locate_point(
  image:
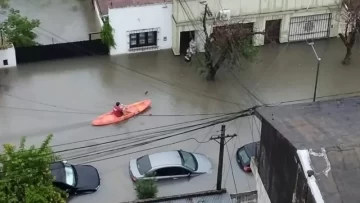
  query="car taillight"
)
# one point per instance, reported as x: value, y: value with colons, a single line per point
x: 247, y: 169
x: 133, y: 178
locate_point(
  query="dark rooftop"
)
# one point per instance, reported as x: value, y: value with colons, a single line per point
x: 330, y: 130
x: 106, y: 4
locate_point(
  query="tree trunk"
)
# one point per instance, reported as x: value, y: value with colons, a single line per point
x: 349, y: 42
x: 347, y: 58
x: 211, y: 73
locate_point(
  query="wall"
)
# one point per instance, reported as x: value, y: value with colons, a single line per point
x: 98, y: 15
x: 10, y: 55
x: 280, y: 169
x: 141, y: 17
x: 259, y: 25
x: 243, y: 7
x: 262, y: 196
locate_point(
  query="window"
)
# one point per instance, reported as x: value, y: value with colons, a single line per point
x: 244, y: 157
x: 143, y: 164
x: 171, y: 171
x: 143, y: 39
x: 70, y: 175
x: 188, y: 160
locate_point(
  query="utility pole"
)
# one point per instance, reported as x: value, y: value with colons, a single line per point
x: 222, y: 143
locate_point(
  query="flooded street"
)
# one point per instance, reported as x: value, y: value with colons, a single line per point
x: 63, y: 97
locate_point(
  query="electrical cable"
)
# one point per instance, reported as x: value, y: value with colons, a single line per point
x: 142, y: 136
x: 142, y: 115
x: 142, y: 130
x: 162, y: 138
x: 232, y: 170
x: 93, y: 161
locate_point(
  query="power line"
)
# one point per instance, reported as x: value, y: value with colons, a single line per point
x: 97, y: 160
x: 162, y: 138
x: 89, y: 113
x: 232, y: 170
x: 142, y: 130
x: 152, y: 141
x: 147, y: 135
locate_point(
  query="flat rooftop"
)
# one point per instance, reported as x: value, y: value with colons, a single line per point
x: 330, y: 130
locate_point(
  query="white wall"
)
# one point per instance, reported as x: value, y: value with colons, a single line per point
x: 263, y: 197
x: 141, y: 17
x: 97, y: 13
x: 8, y: 54
x: 244, y: 7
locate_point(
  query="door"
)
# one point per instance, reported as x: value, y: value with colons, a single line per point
x: 185, y: 38
x: 171, y: 172
x: 272, y: 31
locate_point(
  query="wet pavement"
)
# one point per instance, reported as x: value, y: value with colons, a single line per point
x: 62, y: 97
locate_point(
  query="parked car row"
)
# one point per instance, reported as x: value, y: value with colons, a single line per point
x: 76, y: 179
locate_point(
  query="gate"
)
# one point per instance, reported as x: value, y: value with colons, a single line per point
x: 89, y: 47
x: 310, y: 27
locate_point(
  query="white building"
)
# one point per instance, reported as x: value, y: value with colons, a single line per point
x: 282, y: 20
x: 143, y: 25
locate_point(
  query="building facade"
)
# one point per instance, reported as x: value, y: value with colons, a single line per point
x: 139, y: 26
x: 282, y: 21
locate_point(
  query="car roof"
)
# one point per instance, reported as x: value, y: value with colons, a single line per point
x: 57, y: 170
x: 171, y: 158
x: 250, y: 148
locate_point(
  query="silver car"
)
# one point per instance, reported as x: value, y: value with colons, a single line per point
x: 172, y: 164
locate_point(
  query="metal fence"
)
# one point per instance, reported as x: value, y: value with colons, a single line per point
x: 310, y: 27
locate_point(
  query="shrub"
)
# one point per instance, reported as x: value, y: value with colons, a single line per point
x: 146, y: 189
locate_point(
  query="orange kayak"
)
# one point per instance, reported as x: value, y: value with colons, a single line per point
x: 131, y: 110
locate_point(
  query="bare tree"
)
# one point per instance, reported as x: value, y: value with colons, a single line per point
x: 226, y: 42
x: 350, y: 15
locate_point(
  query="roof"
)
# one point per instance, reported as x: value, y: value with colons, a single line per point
x: 330, y: 132
x: 165, y: 158
x: 251, y: 148
x: 104, y: 5
x: 211, y: 196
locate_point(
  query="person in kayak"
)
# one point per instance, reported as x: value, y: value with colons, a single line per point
x: 118, y: 109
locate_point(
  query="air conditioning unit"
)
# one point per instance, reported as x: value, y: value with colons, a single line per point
x: 224, y: 15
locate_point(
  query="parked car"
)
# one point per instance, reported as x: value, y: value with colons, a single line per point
x: 75, y: 179
x: 167, y: 165
x: 244, y: 154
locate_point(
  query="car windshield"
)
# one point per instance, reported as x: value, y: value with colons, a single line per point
x: 143, y: 164
x: 70, y: 175
x: 188, y: 160
x: 244, y: 157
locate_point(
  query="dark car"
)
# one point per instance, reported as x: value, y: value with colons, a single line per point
x: 75, y: 179
x: 244, y: 154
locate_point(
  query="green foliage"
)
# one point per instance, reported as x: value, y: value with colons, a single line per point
x: 25, y: 175
x: 4, y: 4
x: 106, y: 34
x: 248, y: 50
x: 146, y: 188
x: 19, y: 29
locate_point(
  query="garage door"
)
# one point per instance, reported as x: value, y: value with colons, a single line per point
x: 309, y: 27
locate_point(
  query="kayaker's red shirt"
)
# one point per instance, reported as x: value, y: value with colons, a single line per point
x: 117, y: 111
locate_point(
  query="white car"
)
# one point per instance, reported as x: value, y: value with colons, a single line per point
x: 172, y: 164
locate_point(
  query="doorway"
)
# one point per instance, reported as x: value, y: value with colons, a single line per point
x: 185, y: 38
x: 272, y: 31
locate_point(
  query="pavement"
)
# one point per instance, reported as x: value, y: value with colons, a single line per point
x: 62, y: 97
